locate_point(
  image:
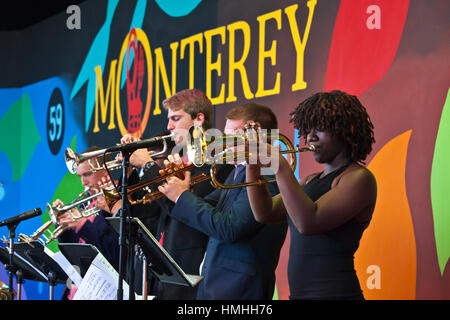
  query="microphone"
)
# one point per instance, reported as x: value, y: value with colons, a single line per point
x: 23, y: 216
x: 148, y: 143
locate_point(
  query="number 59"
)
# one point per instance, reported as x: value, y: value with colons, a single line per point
x: 55, y: 118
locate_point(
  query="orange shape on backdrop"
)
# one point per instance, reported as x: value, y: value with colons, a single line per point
x: 388, y: 245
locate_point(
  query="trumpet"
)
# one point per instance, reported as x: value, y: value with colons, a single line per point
x: 198, y: 152
x: 154, y: 195
x: 81, y: 202
x: 293, y: 164
x: 73, y: 159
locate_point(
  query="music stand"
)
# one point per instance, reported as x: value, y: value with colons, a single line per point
x: 34, y: 253
x: 82, y: 255
x: 160, y: 263
x: 24, y: 270
x: 79, y: 254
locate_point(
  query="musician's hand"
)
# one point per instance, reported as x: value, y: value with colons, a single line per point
x: 67, y: 222
x: 252, y: 125
x: 174, y: 186
x: 57, y: 203
x: 101, y: 203
x: 116, y: 207
x: 128, y: 138
x: 104, y: 183
x: 261, y: 152
x: 124, y: 140
x: 173, y: 162
x: 139, y: 157
x: 263, y: 155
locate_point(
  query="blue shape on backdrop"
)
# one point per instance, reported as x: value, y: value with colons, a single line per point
x: 95, y: 57
x: 136, y: 22
x: 44, y: 171
x: 178, y: 8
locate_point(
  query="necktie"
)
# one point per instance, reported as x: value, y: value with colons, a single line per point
x: 238, y: 170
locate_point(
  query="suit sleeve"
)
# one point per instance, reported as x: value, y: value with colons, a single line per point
x: 232, y: 225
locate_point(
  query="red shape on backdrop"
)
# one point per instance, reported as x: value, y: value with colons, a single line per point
x: 365, y: 40
x: 134, y: 83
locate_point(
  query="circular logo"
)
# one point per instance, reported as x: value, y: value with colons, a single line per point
x: 55, y: 121
x: 136, y: 44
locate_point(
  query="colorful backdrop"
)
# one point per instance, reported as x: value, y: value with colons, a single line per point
x: 91, y: 75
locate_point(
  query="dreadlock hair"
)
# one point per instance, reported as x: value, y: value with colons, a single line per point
x: 340, y: 114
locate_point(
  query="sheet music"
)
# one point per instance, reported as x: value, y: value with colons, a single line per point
x: 100, y: 282
x: 68, y: 268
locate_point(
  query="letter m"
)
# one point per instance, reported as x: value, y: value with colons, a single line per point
x: 102, y: 99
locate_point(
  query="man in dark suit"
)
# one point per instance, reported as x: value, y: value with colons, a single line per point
x: 185, y: 244
x: 242, y: 254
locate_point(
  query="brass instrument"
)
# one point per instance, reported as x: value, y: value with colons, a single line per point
x: 4, y: 292
x: 293, y: 165
x: 152, y: 196
x: 73, y: 159
x: 81, y: 202
x: 198, y: 152
x: 111, y: 198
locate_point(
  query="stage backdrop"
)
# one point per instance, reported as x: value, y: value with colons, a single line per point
x: 88, y: 76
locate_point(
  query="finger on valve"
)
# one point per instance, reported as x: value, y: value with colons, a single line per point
x: 57, y: 203
x: 128, y: 139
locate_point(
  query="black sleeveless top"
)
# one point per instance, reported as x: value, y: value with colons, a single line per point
x: 321, y: 266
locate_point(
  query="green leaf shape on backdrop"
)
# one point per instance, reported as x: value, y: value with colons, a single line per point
x: 439, y: 186
x: 20, y: 135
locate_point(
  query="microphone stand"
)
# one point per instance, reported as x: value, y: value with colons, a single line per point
x: 12, y: 223
x: 11, y: 269
x: 125, y: 233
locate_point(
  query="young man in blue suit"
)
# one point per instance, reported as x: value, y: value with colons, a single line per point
x: 241, y: 254
x: 186, y: 245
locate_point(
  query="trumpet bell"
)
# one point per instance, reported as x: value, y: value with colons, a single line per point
x: 52, y: 213
x: 111, y: 197
x: 97, y: 158
x: 71, y: 160
x: 196, y: 146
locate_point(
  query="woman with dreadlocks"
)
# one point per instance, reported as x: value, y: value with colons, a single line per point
x: 327, y: 211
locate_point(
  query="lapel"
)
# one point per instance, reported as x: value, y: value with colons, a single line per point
x: 228, y: 196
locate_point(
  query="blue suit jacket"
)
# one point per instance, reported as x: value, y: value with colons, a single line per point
x: 242, y: 254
